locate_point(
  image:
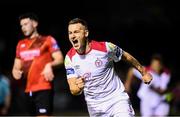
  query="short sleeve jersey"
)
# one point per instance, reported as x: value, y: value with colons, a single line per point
x: 97, y: 67
x: 35, y: 54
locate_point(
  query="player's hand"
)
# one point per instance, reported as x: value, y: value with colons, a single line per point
x: 80, y: 83
x: 48, y: 72
x: 147, y: 78
x: 17, y: 73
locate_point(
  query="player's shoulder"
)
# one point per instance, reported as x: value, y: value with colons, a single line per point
x: 99, y: 45
x: 111, y: 46
x: 166, y: 71
x: 71, y: 53
x: 47, y: 37
x: 22, y: 41
x: 148, y: 68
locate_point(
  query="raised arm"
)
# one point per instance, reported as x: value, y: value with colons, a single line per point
x: 146, y: 77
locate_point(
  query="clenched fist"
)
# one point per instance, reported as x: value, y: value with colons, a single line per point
x: 80, y: 82
x: 147, y: 78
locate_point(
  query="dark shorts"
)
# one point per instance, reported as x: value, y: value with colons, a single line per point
x: 1, y: 107
x: 40, y: 102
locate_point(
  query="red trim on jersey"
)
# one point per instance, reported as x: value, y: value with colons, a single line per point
x: 148, y: 68
x: 71, y: 53
x: 165, y: 70
x: 94, y: 45
x: 101, y: 46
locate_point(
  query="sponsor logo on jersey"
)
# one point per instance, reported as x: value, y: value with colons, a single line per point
x: 87, y: 76
x: 55, y: 46
x: 70, y: 71
x: 29, y: 54
x: 98, y: 63
x: 23, y: 45
x: 111, y: 46
x: 77, y: 67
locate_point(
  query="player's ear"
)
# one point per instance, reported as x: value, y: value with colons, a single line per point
x: 35, y: 23
x: 86, y: 33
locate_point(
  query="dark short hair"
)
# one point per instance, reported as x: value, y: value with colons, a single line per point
x: 157, y: 57
x: 78, y: 20
x: 31, y: 16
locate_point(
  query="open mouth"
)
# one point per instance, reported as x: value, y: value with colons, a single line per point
x: 75, y: 41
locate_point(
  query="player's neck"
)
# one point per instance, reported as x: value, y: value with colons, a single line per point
x: 157, y: 71
x: 88, y: 46
x: 85, y: 49
x: 34, y: 35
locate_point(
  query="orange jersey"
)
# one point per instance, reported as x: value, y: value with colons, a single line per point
x: 35, y: 54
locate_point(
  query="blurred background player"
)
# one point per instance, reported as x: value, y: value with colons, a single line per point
x: 90, y: 68
x: 36, y: 55
x: 5, y: 94
x: 176, y: 99
x: 152, y: 97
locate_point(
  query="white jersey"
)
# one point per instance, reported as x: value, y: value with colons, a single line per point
x: 97, y: 66
x: 145, y: 93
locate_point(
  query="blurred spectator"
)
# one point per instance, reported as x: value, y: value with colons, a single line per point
x: 5, y: 94
x: 154, y: 97
x: 176, y: 99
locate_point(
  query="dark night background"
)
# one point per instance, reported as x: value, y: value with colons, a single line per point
x: 140, y: 27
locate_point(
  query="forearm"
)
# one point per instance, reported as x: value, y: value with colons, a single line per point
x: 135, y: 63
x: 17, y: 69
x: 17, y: 73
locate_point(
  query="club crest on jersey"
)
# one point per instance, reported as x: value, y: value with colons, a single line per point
x: 98, y: 63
